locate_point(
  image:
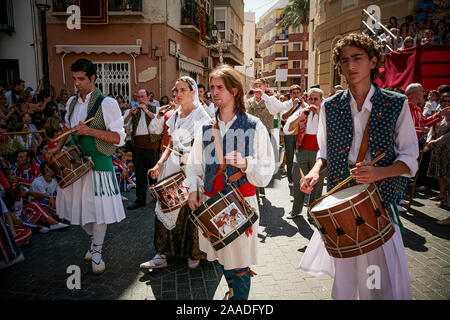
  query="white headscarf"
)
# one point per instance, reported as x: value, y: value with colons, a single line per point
x: 195, y: 99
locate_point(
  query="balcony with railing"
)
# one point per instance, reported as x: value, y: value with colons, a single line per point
x: 194, y: 19
x: 6, y: 17
x: 114, y: 6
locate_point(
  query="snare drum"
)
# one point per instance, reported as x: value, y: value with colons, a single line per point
x: 224, y: 217
x: 69, y: 165
x: 170, y: 192
x: 352, y: 221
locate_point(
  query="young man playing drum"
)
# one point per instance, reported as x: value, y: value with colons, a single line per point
x: 342, y: 122
x: 248, y: 153
x: 93, y: 201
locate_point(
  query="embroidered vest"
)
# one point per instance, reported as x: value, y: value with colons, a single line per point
x: 385, y: 111
x: 98, y: 123
x: 137, y: 117
x: 241, y: 132
x: 260, y: 111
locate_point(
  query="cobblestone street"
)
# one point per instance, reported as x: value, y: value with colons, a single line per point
x: 282, y: 242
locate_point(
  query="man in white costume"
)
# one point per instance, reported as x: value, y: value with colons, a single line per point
x: 342, y: 121
x: 93, y: 201
x: 248, y: 153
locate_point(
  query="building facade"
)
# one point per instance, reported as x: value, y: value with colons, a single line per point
x: 247, y: 70
x: 283, y: 51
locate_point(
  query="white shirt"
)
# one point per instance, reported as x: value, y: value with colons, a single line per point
x: 406, y: 147
x: 272, y: 103
x: 155, y: 126
x: 260, y: 166
x: 40, y: 185
x: 111, y: 114
x: 9, y: 100
x: 211, y: 109
x: 312, y: 123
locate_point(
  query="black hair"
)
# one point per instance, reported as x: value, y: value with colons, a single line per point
x: 84, y: 65
x: 10, y: 196
x: 201, y: 86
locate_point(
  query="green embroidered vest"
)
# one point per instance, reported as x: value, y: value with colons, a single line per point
x: 98, y: 123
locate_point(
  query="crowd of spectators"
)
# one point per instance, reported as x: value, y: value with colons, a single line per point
x: 425, y: 27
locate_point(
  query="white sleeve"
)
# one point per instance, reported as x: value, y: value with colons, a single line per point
x: 195, y: 165
x: 113, y: 119
x: 322, y: 134
x: 289, y: 120
x: 406, y: 147
x: 3, y: 206
x: 66, y: 117
x: 156, y: 126
x: 261, y: 165
x: 273, y: 104
x: 37, y: 187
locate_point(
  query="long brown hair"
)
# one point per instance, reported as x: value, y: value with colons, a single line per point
x: 231, y: 78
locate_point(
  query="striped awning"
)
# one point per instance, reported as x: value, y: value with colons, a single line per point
x: 89, y: 49
x: 190, y: 65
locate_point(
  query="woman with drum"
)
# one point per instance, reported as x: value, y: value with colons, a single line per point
x: 175, y: 234
x: 241, y: 142
x: 382, y: 272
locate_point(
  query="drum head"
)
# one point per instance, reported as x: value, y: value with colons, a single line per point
x: 339, y: 197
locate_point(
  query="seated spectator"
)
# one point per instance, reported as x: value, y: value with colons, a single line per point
x: 412, y: 28
x: 439, y: 32
x: 420, y: 31
x: 404, y: 30
x: 25, y: 168
x: 407, y: 43
x: 9, y: 146
x: 432, y: 103
x: 10, y: 253
x: 32, y: 212
x: 392, y: 23
x: 395, y: 43
x: 45, y: 185
x: 21, y: 234
x: 61, y: 106
x: 429, y: 38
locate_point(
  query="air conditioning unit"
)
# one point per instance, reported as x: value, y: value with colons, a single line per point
x: 207, y: 62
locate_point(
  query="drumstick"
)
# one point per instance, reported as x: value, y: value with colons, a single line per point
x: 72, y: 130
x: 176, y: 152
x: 303, y: 177
x: 22, y: 132
x: 371, y: 163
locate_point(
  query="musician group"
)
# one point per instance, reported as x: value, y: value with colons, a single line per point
x: 214, y: 167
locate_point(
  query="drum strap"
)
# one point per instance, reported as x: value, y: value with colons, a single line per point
x: 223, y: 166
x: 364, y: 144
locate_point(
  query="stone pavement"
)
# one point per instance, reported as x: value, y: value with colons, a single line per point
x: 282, y: 242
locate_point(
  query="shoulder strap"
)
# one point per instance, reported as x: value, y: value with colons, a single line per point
x: 364, y: 143
x: 95, y: 107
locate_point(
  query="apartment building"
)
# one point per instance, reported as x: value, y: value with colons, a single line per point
x: 141, y: 44
x: 283, y: 51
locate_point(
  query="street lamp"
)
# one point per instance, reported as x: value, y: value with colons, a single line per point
x: 43, y: 6
x: 220, y: 45
x: 250, y: 63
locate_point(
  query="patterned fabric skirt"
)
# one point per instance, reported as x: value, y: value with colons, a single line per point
x: 182, y: 241
x: 439, y: 166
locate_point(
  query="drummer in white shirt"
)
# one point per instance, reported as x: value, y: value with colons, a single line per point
x: 391, y: 130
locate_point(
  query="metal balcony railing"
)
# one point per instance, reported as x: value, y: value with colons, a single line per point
x: 113, y: 5
x: 189, y: 13
x: 6, y: 16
